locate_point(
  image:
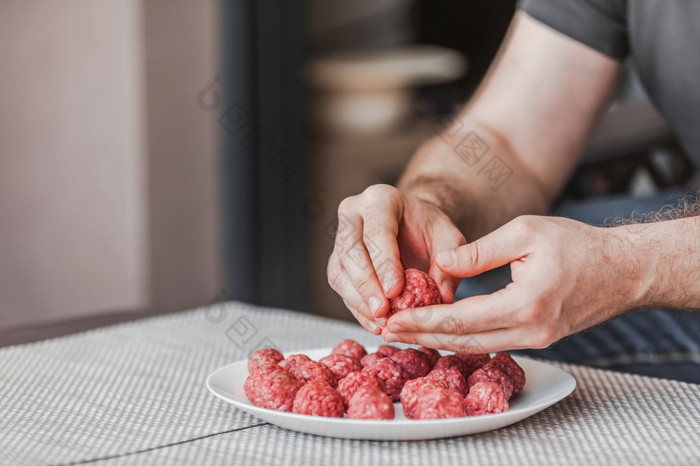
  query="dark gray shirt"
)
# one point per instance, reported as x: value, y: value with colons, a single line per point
x: 662, y: 37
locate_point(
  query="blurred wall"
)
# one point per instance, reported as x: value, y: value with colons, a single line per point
x: 108, y: 169
x: 182, y: 57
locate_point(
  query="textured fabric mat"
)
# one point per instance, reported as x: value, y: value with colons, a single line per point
x: 134, y: 394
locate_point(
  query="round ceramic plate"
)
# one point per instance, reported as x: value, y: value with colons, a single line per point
x: 545, y: 386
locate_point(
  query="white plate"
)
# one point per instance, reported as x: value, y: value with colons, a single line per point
x: 545, y: 386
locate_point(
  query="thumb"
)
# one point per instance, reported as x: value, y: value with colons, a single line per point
x: 498, y: 248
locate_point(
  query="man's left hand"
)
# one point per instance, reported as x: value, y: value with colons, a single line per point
x: 566, y: 276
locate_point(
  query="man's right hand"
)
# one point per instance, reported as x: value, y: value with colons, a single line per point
x: 380, y: 232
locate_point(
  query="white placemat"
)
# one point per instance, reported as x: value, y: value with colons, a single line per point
x: 134, y: 394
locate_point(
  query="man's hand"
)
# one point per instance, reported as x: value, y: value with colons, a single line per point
x: 567, y: 276
x: 380, y: 232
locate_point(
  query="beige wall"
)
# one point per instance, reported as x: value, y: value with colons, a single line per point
x: 108, y: 170
x: 183, y: 146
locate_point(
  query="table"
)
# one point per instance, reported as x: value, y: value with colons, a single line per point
x: 134, y: 393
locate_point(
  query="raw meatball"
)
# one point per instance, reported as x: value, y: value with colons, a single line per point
x: 491, y: 374
x: 275, y: 390
x: 433, y: 354
x: 391, y: 373
x: 446, y: 362
x: 350, y: 384
x: 414, y: 363
x: 264, y: 369
x: 412, y: 391
x: 450, y: 378
x: 312, y: 370
x: 350, y: 348
x: 388, y: 350
x: 369, y: 359
x: 486, y: 398
x: 473, y: 362
x: 317, y: 398
x: 515, y: 373
x: 440, y: 403
x: 341, y: 365
x: 370, y: 402
x: 290, y: 364
x: 419, y: 290
x: 264, y: 356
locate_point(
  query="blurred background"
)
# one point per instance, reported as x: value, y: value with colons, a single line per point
x: 165, y: 154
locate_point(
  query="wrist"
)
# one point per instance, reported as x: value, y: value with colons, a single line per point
x: 630, y: 250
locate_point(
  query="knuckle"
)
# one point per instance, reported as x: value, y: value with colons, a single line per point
x: 333, y: 275
x: 343, y: 246
x: 364, y: 285
x: 453, y: 326
x: 543, y: 338
x: 345, y: 205
x: 525, y: 224
x: 533, y: 312
x: 374, y: 230
x: 472, y: 254
x: 379, y: 192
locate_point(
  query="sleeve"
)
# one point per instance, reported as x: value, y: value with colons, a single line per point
x: 599, y: 24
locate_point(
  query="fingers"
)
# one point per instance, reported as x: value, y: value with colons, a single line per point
x: 498, y: 248
x: 443, y: 238
x: 468, y: 316
x: 380, y: 230
x: 358, y: 267
x: 367, y: 324
x: 340, y: 283
x: 486, y: 342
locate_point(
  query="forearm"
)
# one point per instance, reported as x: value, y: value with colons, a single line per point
x: 471, y: 174
x: 663, y: 263
x: 511, y: 150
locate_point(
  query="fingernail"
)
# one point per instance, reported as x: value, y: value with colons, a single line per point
x: 396, y: 328
x: 374, y: 304
x: 446, y: 258
x: 372, y: 326
x: 390, y: 338
x: 381, y: 321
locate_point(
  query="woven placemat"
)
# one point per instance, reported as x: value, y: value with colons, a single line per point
x: 134, y: 394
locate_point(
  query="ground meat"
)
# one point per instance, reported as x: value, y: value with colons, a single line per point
x: 485, y: 398
x: 432, y: 354
x: 445, y: 362
x: 391, y: 373
x: 369, y: 359
x: 419, y: 290
x: 491, y: 374
x: 312, y: 370
x: 275, y: 390
x: 473, y: 362
x: 515, y: 373
x: 264, y: 369
x: 317, y: 398
x: 290, y: 364
x: 350, y: 348
x: 264, y: 356
x: 412, y: 391
x: 439, y: 403
x: 349, y: 385
x: 370, y: 402
x: 450, y: 378
x: 388, y: 350
x: 341, y: 365
x: 414, y: 363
